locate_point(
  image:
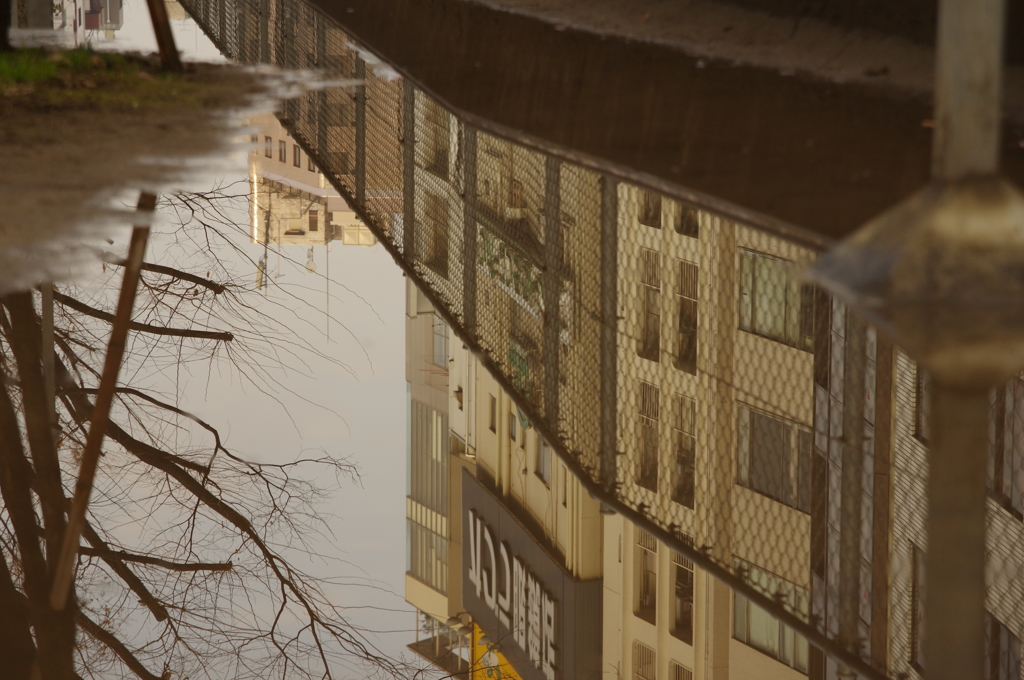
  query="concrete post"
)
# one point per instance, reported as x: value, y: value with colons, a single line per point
x: 967, y: 115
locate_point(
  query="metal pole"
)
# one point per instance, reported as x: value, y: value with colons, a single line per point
x: 967, y: 116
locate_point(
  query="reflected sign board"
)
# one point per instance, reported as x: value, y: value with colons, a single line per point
x: 545, y: 622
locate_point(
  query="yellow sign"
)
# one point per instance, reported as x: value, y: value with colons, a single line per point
x: 487, y: 662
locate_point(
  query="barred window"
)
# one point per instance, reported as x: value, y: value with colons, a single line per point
x: 649, y: 412
x: 686, y: 298
x: 314, y: 220
x: 646, y: 601
x: 774, y: 457
x: 677, y: 671
x: 645, y: 662
x: 773, y: 303
x: 649, y: 341
x: 682, y: 603
x: 685, y: 444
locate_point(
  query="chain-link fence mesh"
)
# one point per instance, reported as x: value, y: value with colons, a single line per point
x: 669, y: 354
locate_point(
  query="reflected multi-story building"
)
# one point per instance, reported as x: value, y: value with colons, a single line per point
x: 504, y: 544
x: 685, y: 374
x: 292, y: 203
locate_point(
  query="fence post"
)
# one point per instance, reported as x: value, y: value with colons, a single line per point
x: 609, y: 302
x: 552, y: 292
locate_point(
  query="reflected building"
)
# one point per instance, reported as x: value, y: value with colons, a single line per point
x: 292, y: 202
x: 504, y: 543
x: 686, y: 377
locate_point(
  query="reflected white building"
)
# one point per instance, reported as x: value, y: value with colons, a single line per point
x: 292, y: 202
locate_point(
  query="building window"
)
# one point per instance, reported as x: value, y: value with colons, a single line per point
x: 677, y: 671
x: 513, y: 426
x: 682, y: 604
x: 314, y: 220
x: 688, y: 222
x: 309, y: 163
x: 650, y: 209
x: 493, y: 416
x: 649, y: 408
x: 296, y: 156
x: 916, y: 607
x: 645, y: 662
x: 922, y: 404
x: 565, y: 487
x: 754, y: 626
x: 268, y: 147
x: 282, y: 151
x: 647, y: 576
x: 774, y: 457
x: 1006, y: 451
x: 437, y: 138
x: 1002, y: 651
x: 440, y: 335
x: 433, y: 241
x: 649, y: 341
x: 543, y: 463
x: 686, y: 298
x: 773, y: 303
x: 684, y: 443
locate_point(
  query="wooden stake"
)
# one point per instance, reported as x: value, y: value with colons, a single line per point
x: 101, y: 411
x: 164, y: 38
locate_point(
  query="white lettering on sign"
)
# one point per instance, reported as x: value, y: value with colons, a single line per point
x: 524, y: 609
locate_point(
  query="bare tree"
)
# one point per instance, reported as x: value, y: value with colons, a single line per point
x: 189, y: 563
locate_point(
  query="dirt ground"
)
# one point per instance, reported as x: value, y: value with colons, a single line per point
x: 78, y: 149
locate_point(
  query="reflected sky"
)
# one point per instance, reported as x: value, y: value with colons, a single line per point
x: 358, y: 414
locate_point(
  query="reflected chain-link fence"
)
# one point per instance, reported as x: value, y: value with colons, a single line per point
x: 670, y: 355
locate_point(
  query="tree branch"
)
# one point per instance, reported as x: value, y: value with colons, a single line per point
x: 116, y: 646
x: 126, y: 574
x: 74, y: 304
x: 217, y: 288
x: 156, y: 561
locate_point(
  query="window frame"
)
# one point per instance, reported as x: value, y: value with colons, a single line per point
x: 688, y: 311
x: 649, y: 308
x: 648, y: 435
x: 797, y: 316
x: 798, y: 457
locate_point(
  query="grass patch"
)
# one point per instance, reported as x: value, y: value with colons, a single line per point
x: 83, y: 78
x: 36, y: 66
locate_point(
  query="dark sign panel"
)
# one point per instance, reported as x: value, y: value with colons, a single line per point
x: 547, y: 624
